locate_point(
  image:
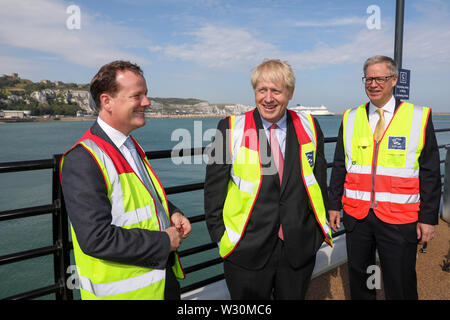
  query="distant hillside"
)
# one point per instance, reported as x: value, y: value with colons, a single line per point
x: 16, y: 84
x: 55, y: 97
x: 168, y: 101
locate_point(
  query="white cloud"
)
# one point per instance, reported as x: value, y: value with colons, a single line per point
x: 221, y: 47
x: 332, y: 22
x: 41, y: 26
x: 356, y: 50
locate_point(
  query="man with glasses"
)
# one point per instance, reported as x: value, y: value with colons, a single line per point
x: 386, y: 178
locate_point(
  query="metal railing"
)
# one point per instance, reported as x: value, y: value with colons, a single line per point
x: 62, y: 246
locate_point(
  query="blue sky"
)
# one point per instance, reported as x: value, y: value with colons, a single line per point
x: 206, y: 49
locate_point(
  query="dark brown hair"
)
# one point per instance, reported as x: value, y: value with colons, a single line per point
x: 105, y: 79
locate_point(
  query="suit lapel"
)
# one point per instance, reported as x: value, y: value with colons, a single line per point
x: 292, y: 148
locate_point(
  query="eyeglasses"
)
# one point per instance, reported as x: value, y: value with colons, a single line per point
x: 378, y: 80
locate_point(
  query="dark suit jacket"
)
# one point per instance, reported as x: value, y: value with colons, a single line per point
x: 288, y: 204
x: 429, y: 176
x: 89, y: 211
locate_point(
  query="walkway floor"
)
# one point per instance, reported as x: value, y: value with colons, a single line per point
x: 432, y: 282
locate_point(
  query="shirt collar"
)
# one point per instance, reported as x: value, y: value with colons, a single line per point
x: 280, y: 123
x: 388, y: 107
x: 117, y: 137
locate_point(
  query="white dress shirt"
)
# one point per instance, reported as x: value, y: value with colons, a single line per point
x: 388, y: 109
x: 280, y: 131
x: 118, y: 138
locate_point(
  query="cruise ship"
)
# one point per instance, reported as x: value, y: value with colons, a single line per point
x: 315, y: 111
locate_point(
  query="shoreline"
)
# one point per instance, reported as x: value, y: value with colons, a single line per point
x: 79, y: 119
x: 191, y: 116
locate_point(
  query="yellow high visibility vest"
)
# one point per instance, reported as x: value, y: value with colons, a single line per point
x: 246, y: 177
x: 132, y: 207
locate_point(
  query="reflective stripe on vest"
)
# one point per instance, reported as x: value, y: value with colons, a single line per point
x: 393, y: 188
x: 132, y: 207
x: 122, y: 286
x: 246, y: 176
x: 308, y: 148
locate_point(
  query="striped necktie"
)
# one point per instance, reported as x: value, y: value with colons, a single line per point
x: 149, y: 185
x: 379, y: 129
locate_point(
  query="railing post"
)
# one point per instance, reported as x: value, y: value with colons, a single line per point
x: 446, y: 193
x: 61, y: 259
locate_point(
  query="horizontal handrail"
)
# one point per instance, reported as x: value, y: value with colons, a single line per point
x: 27, y: 212
x: 26, y: 165
x: 41, y: 292
x: 200, y: 248
x: 202, y: 283
x: 30, y: 165
x: 441, y: 130
x: 29, y: 254
x: 203, y: 265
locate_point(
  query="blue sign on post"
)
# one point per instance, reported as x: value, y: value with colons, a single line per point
x: 402, y: 88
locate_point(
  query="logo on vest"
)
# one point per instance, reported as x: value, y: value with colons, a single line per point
x: 310, y: 156
x: 397, y: 143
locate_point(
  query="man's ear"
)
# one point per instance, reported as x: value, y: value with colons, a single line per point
x: 105, y: 100
x: 292, y: 94
x: 395, y: 81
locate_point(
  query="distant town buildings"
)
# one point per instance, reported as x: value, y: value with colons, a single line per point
x: 15, y: 114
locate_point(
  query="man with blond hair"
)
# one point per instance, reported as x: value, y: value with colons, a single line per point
x: 265, y: 188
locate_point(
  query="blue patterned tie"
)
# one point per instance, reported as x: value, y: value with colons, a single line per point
x: 145, y: 179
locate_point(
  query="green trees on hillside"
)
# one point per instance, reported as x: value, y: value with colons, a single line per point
x: 23, y: 88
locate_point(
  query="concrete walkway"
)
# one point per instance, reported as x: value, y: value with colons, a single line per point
x: 432, y: 282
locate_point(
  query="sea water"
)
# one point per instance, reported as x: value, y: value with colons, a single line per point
x: 42, y: 140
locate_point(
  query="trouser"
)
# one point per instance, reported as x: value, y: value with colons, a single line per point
x: 277, y: 279
x: 172, y: 286
x: 397, y: 249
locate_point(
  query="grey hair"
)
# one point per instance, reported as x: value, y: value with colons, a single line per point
x: 392, y: 65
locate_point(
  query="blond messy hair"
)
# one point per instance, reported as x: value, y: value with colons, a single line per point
x: 276, y: 71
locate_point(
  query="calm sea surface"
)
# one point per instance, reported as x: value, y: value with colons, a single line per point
x: 41, y: 140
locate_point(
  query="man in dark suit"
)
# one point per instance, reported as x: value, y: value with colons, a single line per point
x: 120, y: 250
x: 386, y: 175
x: 267, y: 231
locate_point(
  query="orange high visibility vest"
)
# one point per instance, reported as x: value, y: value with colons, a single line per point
x: 384, y: 175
